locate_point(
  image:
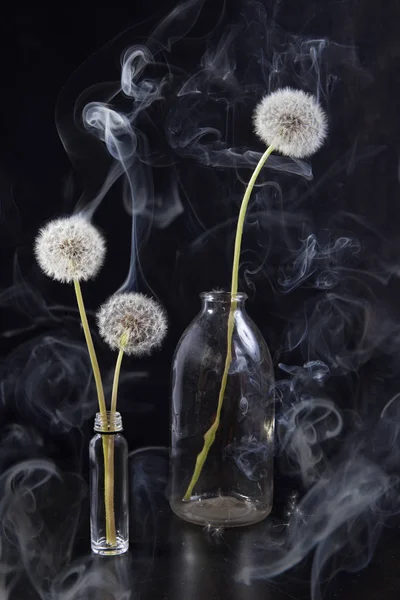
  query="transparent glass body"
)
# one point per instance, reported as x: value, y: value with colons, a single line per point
x: 109, y: 512
x: 235, y: 486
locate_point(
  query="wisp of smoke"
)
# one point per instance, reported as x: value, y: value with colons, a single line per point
x: 338, y: 405
x: 46, y: 378
x: 348, y: 497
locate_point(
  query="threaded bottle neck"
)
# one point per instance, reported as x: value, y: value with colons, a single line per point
x: 220, y: 302
x: 112, y: 423
x: 221, y: 297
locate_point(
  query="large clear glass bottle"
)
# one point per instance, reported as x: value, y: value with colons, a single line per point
x: 109, y: 505
x: 235, y: 486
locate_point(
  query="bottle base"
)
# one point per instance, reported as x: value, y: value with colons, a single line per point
x: 103, y: 549
x: 221, y: 511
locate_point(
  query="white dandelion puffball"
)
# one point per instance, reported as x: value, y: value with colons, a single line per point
x: 69, y: 249
x: 132, y: 322
x: 292, y: 121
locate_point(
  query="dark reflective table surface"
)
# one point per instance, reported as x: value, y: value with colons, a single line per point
x: 45, y: 549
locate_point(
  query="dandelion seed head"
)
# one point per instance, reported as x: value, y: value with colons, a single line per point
x: 292, y: 121
x: 132, y: 322
x: 69, y: 249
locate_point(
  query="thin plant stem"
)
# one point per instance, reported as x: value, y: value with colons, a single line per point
x: 242, y: 216
x: 110, y: 517
x: 111, y: 533
x: 209, y: 436
x: 114, y: 397
x: 117, y: 371
x: 92, y: 352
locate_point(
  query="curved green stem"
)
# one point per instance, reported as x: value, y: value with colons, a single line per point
x: 114, y: 395
x: 110, y: 440
x: 242, y: 216
x: 108, y: 481
x: 209, y: 436
x: 92, y: 352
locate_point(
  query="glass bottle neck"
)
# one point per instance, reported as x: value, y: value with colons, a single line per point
x: 221, y: 301
x: 111, y: 423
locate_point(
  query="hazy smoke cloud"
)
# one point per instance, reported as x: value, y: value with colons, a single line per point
x: 160, y: 128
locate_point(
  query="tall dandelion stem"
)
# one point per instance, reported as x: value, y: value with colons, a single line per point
x: 91, y: 350
x: 110, y: 439
x: 108, y: 455
x: 240, y: 224
x: 209, y: 436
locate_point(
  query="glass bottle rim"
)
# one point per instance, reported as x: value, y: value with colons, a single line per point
x: 113, y: 424
x: 222, y: 296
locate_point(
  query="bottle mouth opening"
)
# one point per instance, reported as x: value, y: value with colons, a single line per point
x: 111, y: 423
x: 222, y: 296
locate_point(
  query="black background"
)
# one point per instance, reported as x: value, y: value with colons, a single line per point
x: 49, y: 58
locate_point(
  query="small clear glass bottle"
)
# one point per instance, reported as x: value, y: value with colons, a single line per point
x: 235, y: 486
x: 109, y: 503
